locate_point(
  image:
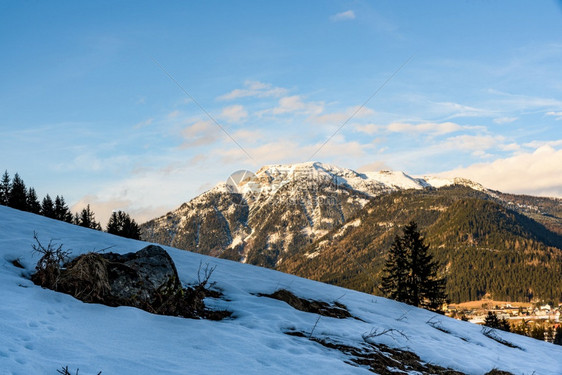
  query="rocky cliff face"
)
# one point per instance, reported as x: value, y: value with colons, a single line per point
x: 260, y: 218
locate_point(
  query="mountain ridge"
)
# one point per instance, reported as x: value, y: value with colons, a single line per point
x: 274, y: 218
x: 325, y: 195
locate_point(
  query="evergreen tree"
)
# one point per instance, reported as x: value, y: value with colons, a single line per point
x: 62, y: 211
x: 411, y: 273
x: 47, y: 207
x: 76, y: 219
x: 538, y: 332
x: 18, y: 194
x: 493, y: 321
x: 33, y: 204
x: 396, y: 269
x: 87, y: 219
x: 121, y: 224
x: 5, y: 186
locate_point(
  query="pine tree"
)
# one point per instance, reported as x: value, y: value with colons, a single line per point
x: 121, y: 224
x: 47, y: 207
x: 493, y: 321
x: 538, y: 332
x: 87, y: 219
x: 18, y: 194
x: 33, y: 204
x: 396, y: 269
x: 411, y: 273
x: 62, y: 211
x: 5, y: 186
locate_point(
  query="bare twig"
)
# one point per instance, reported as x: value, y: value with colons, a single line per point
x: 204, y: 274
x: 314, y: 327
x: 437, y: 324
x: 50, y: 253
x: 392, y: 332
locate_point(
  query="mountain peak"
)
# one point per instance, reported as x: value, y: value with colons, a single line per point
x: 370, y: 183
x: 258, y: 217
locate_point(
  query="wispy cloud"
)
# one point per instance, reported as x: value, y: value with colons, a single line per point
x: 199, y: 134
x: 516, y: 102
x: 369, y: 129
x: 337, y: 118
x: 254, y: 89
x: 558, y: 115
x: 288, y: 150
x: 89, y: 161
x: 476, y: 144
x: 456, y: 110
x: 427, y: 128
x: 296, y: 104
x: 343, y: 16
x: 234, y: 113
x: 144, y: 123
x: 538, y: 144
x: 504, y: 120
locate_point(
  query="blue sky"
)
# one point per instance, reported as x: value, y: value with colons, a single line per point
x: 86, y: 111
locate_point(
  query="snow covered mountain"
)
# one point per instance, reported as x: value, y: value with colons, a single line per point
x: 259, y: 218
x: 42, y: 330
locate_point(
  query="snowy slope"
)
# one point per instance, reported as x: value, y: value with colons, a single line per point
x: 41, y: 330
x: 269, y: 177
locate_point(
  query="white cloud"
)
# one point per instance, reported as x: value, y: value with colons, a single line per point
x: 254, y: 89
x: 513, y: 102
x: 535, y: 173
x: 234, y: 113
x: 89, y: 161
x: 338, y: 118
x: 343, y: 16
x: 427, y: 127
x: 455, y: 110
x: 144, y: 123
x: 248, y: 136
x: 477, y: 144
x: 174, y: 114
x: 172, y: 184
x: 287, y: 150
x: 504, y: 120
x: 558, y: 115
x: 537, y: 144
x: 510, y: 147
x: 199, y: 134
x: 291, y: 104
x: 369, y: 129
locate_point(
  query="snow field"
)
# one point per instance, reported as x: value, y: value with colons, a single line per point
x: 41, y: 330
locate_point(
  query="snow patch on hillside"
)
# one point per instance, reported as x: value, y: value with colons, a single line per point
x: 43, y: 330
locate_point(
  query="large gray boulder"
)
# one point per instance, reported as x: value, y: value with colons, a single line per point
x: 142, y: 277
x: 146, y: 279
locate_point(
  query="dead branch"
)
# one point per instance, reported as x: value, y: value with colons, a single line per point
x: 392, y: 332
x: 204, y: 274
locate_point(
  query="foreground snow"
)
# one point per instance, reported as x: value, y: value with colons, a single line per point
x: 41, y: 330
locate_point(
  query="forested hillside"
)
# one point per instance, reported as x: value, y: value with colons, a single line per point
x: 482, y: 246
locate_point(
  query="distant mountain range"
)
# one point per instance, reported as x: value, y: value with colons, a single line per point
x: 335, y: 225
